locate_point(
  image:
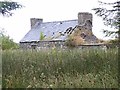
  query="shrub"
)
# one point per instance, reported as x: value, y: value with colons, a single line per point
x: 7, y: 43
x: 115, y: 41
x: 73, y: 41
x: 41, y: 36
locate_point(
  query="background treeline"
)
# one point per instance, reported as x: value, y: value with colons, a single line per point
x: 7, y: 42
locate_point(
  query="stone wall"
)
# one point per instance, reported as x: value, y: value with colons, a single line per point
x: 42, y: 44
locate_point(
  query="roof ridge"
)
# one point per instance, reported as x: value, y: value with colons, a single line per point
x: 60, y: 21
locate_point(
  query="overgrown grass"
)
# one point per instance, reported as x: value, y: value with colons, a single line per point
x: 86, y: 68
x: 0, y: 68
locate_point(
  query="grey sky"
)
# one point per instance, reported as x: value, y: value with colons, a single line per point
x: 50, y: 10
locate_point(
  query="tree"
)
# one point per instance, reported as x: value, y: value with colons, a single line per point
x: 7, y: 6
x: 5, y: 9
x: 7, y: 43
x: 111, y: 17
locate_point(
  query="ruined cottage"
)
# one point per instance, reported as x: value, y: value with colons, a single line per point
x: 49, y: 34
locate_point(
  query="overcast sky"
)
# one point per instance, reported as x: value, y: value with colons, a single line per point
x: 49, y: 10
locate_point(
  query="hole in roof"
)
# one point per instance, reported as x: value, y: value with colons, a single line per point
x: 60, y: 22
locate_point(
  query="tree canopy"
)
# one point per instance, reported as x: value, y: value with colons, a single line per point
x: 111, y: 17
x: 6, y: 42
x: 7, y: 6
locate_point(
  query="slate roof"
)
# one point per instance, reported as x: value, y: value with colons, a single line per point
x: 49, y: 29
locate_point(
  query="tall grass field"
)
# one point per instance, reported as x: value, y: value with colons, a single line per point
x: 79, y: 68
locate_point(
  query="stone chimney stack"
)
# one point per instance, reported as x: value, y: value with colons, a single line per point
x: 35, y: 20
x: 85, y: 18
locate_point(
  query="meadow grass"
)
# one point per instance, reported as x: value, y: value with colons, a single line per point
x: 0, y: 68
x: 80, y: 68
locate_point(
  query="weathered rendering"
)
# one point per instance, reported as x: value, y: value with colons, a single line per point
x: 49, y: 34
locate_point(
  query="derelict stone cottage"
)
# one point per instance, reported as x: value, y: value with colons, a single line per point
x: 49, y: 34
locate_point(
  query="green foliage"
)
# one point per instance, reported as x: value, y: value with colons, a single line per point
x: 86, y: 68
x: 115, y: 41
x: 111, y: 17
x: 74, y: 41
x: 111, y: 33
x: 7, y: 6
x: 7, y: 43
x: 70, y: 42
x: 41, y: 36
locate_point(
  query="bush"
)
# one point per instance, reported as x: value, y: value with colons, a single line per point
x: 73, y: 41
x: 115, y: 41
x: 7, y: 43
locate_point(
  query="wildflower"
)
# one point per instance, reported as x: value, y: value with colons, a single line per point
x: 42, y: 74
x: 29, y: 86
x: 51, y: 85
x: 59, y: 68
x: 34, y: 79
